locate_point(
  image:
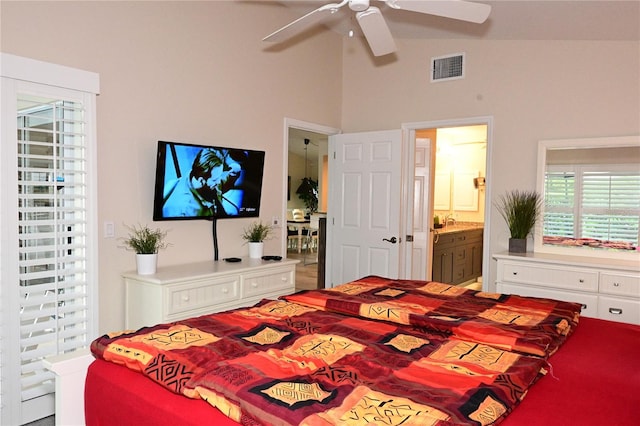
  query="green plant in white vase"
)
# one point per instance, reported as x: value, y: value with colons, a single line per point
x: 146, y: 242
x: 257, y: 232
x: 255, y: 235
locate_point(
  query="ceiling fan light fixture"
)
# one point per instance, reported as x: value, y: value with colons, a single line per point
x: 358, y: 5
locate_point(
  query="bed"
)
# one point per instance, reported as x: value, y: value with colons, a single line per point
x: 375, y: 351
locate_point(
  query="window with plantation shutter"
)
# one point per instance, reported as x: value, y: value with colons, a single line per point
x: 592, y: 201
x: 49, y: 255
x: 51, y: 237
x: 611, y: 205
x: 559, y: 203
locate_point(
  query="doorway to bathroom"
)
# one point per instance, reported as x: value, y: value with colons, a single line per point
x: 449, y: 201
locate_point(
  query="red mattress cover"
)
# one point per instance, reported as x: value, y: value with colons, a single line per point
x: 594, y: 381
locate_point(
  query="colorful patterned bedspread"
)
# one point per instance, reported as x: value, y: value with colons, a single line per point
x: 288, y: 364
x: 527, y: 325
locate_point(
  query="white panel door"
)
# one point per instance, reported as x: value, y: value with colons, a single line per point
x: 422, y: 220
x: 365, y: 190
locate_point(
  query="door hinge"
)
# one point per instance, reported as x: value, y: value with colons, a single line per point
x: 409, y: 238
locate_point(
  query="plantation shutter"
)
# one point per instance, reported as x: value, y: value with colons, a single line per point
x: 611, y: 205
x: 559, y: 203
x: 49, y: 248
x: 51, y: 238
x: 590, y: 201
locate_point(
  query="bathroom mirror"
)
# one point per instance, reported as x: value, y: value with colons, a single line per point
x: 591, y: 189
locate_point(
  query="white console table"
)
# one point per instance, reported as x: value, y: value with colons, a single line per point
x: 607, y: 289
x: 182, y: 291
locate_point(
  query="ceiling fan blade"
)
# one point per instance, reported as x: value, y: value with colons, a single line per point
x: 304, y: 22
x: 455, y: 9
x: 376, y: 31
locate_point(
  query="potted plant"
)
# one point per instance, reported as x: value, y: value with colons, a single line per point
x: 308, y: 193
x: 146, y: 242
x: 520, y: 209
x: 436, y: 222
x: 254, y: 235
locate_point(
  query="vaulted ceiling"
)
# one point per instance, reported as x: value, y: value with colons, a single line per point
x: 509, y: 20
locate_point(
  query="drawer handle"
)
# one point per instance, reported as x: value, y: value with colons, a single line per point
x: 185, y: 298
x: 581, y: 280
x: 254, y: 284
x: 225, y: 290
x: 615, y: 311
x: 616, y: 284
x: 514, y: 273
x: 584, y: 306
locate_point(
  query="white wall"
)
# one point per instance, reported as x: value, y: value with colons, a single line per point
x: 533, y: 89
x: 179, y: 71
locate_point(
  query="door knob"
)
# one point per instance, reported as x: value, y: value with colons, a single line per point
x: 393, y: 240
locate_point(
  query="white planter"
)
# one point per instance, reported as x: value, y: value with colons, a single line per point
x: 256, y: 250
x: 146, y: 263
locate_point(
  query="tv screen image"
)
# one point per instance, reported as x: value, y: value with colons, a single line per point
x: 206, y: 182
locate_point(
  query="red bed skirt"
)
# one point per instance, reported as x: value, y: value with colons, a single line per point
x: 595, y: 380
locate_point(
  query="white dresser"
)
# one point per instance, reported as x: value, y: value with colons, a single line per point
x: 189, y: 290
x: 607, y: 289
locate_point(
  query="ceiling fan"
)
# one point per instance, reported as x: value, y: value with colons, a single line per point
x: 373, y: 24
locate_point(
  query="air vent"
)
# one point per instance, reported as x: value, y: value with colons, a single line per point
x: 445, y: 68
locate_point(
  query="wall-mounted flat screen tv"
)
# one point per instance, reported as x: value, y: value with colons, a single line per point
x: 206, y: 182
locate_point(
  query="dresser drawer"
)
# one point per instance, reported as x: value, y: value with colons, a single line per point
x: 188, y: 290
x: 619, y: 309
x: 550, y: 276
x: 202, y: 294
x: 589, y: 301
x: 260, y: 284
x: 620, y: 284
